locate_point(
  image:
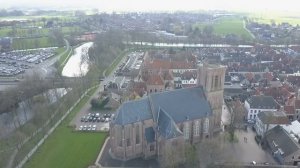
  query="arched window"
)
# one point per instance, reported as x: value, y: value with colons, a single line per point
x: 196, y: 128
x: 206, y: 126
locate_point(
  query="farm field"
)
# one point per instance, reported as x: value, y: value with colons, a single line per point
x: 227, y: 25
x: 29, y: 43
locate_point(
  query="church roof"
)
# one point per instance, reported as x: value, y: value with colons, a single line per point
x: 133, y: 111
x: 179, y: 105
x: 166, y: 126
x: 182, y: 104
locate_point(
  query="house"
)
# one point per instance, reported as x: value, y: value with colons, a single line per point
x: 282, y: 146
x: 155, y: 83
x: 256, y: 104
x: 267, y: 120
x: 185, y: 79
x: 293, y: 129
x: 290, y: 112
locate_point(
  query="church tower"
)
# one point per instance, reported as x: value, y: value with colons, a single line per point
x: 212, y: 78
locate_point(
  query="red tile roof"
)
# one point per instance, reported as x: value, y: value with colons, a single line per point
x: 297, y: 104
x: 290, y: 110
x: 155, y: 80
x: 167, y: 64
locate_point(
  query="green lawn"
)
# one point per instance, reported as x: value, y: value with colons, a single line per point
x: 28, y: 43
x: 227, y: 25
x: 69, y: 30
x: 4, y: 31
x: 66, y: 148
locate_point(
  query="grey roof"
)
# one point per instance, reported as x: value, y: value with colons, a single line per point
x: 133, y: 111
x: 273, y: 117
x: 150, y: 134
x: 263, y: 102
x: 277, y: 138
x: 166, y: 126
x: 181, y: 104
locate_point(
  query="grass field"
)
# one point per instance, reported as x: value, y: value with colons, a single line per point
x: 4, y: 31
x: 277, y: 20
x: 227, y: 25
x: 66, y: 148
x: 28, y: 43
x: 277, y: 17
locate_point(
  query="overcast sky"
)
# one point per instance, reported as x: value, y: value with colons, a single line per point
x: 158, y: 5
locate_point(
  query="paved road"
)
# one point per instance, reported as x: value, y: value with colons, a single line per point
x: 86, y: 108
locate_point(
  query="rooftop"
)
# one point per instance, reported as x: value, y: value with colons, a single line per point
x: 273, y: 117
x: 262, y: 102
x: 278, y: 138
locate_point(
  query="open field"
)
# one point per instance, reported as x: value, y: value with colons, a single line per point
x: 66, y: 148
x: 227, y: 25
x: 278, y: 18
x: 27, y: 17
x: 28, y: 43
x: 26, y: 32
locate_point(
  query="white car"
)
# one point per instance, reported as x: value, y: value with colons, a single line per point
x: 81, y: 127
x: 253, y: 162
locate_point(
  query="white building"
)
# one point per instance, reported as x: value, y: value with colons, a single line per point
x: 293, y: 129
x: 257, y: 104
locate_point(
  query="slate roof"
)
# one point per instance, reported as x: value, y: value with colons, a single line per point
x: 263, y: 102
x: 150, y: 134
x: 133, y: 111
x: 166, y: 126
x: 277, y: 138
x: 181, y: 103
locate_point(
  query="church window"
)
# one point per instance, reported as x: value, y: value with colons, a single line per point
x: 196, y: 128
x: 128, y: 136
x: 151, y: 147
x: 137, y: 134
x: 186, y: 131
x: 206, y: 126
x: 216, y: 82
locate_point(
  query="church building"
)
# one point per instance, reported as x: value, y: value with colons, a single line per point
x: 163, y: 122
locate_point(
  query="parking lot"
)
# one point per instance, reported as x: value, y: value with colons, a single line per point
x: 94, y: 122
x: 132, y: 63
x: 16, y: 62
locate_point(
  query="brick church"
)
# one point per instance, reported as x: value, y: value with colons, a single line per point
x: 162, y: 122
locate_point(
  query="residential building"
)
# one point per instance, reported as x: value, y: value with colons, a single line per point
x: 256, y: 104
x: 293, y: 129
x: 267, y: 120
x: 282, y: 146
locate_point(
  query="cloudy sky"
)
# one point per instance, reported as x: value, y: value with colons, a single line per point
x: 158, y: 5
